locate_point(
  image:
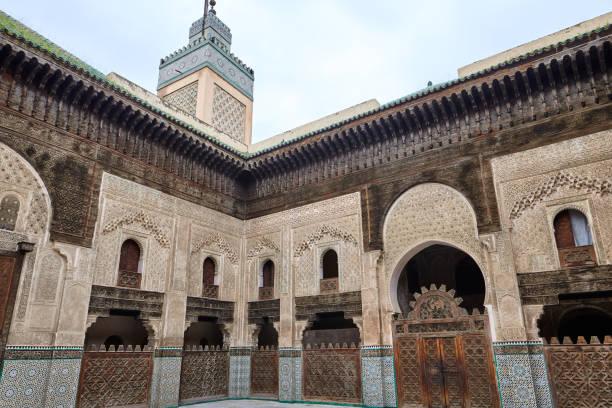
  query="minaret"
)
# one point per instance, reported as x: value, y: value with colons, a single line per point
x: 204, y: 79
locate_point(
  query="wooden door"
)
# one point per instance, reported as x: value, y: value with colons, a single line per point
x: 7, y: 273
x: 443, y: 377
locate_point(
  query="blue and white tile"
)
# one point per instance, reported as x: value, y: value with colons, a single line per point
x: 63, y: 383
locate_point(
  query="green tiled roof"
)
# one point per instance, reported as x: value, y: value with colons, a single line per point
x: 18, y: 30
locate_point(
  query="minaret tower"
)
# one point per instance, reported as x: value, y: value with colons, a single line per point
x: 204, y: 79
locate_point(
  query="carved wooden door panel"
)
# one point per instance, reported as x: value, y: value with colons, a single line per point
x: 442, y: 373
x: 7, y: 270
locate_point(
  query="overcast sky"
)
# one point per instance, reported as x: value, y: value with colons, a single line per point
x: 311, y: 57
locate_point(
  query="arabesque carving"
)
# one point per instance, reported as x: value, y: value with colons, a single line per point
x: 262, y: 244
x: 218, y: 241
x: 143, y: 219
x: 561, y: 179
x: 324, y: 231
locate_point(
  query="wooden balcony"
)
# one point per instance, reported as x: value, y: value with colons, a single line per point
x: 129, y: 279
x: 266, y: 293
x: 328, y: 285
x: 210, y: 291
x: 577, y: 256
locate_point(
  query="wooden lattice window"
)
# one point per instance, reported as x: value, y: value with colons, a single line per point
x: 573, y: 238
x: 330, y: 264
x: 129, y: 265
x: 9, y: 209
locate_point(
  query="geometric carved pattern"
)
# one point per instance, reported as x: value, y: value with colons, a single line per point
x: 476, y: 358
x: 561, y: 179
x: 204, y: 375
x: 408, y: 371
x: 9, y: 209
x: 115, y: 379
x: 184, y: 99
x: 229, y: 114
x: 332, y: 374
x: 262, y: 244
x: 581, y: 373
x: 264, y: 373
x: 324, y: 231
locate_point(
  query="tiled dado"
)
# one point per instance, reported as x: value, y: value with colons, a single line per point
x: 240, y: 372
x: 378, y: 376
x: 522, y: 375
x: 40, y: 377
x: 290, y: 374
x: 166, y: 379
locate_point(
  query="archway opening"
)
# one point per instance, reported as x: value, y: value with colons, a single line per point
x: 587, y: 322
x: 267, y: 336
x: 442, y: 265
x: 330, y: 264
x: 331, y: 328
x: 121, y: 328
x: 205, y: 332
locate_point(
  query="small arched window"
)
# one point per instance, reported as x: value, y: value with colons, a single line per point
x: 573, y: 239
x: 129, y: 265
x: 330, y: 264
x: 572, y: 229
x: 210, y: 272
x: 9, y: 210
x: 267, y: 272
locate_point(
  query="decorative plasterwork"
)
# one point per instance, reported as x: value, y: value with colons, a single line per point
x: 324, y: 231
x: 218, y: 241
x: 147, y: 223
x: 262, y: 244
x: 561, y: 179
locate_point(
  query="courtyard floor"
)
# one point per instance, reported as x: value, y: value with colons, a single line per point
x: 257, y: 404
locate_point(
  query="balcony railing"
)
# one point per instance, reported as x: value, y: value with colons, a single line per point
x: 129, y: 279
x: 329, y: 285
x: 210, y: 291
x: 577, y: 256
x: 266, y: 293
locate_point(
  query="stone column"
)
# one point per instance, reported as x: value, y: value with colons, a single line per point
x: 166, y: 379
x: 377, y: 370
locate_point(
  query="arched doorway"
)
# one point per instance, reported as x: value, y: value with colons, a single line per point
x: 442, y: 339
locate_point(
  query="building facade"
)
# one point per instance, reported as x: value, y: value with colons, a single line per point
x: 452, y: 248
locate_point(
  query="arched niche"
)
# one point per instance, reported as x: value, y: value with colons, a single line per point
x: 332, y: 327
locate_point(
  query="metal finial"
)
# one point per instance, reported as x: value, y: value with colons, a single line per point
x: 213, y: 3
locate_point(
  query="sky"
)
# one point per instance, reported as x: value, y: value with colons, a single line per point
x: 311, y: 57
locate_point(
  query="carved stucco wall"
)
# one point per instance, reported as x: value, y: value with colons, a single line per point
x: 301, y: 235
x: 42, y: 277
x: 533, y: 186
x: 429, y: 214
x: 130, y: 210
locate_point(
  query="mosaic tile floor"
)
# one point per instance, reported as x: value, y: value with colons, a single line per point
x: 257, y: 404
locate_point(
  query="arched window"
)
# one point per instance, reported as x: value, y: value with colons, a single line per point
x: 573, y: 239
x: 572, y: 229
x: 210, y: 272
x: 9, y: 209
x: 266, y: 281
x: 330, y: 264
x: 129, y: 265
x: 210, y: 288
x: 267, y: 274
